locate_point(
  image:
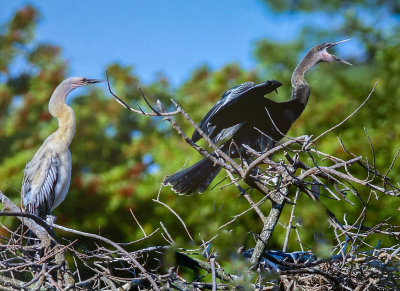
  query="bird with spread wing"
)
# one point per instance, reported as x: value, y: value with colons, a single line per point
x: 245, y: 117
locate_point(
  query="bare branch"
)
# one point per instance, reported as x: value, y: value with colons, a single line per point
x: 177, y: 216
x: 348, y: 117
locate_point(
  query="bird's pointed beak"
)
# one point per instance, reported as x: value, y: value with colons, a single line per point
x: 335, y: 57
x: 93, y: 81
x: 341, y: 60
x: 336, y: 43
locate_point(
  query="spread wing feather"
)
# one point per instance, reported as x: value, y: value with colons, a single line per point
x: 231, y: 94
x: 227, y: 112
x: 231, y: 112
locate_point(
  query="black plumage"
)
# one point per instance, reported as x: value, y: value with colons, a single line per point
x: 244, y: 116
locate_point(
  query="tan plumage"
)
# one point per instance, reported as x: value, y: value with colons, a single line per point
x: 47, y: 176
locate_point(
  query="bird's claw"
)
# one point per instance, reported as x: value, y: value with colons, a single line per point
x: 50, y: 219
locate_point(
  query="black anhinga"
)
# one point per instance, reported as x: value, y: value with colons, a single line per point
x: 244, y: 116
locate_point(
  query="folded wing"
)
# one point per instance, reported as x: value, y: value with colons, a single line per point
x: 40, y: 179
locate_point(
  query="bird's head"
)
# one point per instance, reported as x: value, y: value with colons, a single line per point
x: 320, y: 51
x: 75, y: 82
x: 57, y: 100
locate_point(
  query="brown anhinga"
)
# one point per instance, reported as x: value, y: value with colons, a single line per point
x: 48, y: 174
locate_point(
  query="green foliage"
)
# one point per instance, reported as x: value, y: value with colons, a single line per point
x: 110, y: 174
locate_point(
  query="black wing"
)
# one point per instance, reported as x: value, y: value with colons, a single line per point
x: 238, y: 110
x: 228, y: 96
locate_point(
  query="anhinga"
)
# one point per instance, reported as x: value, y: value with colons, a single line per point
x: 48, y: 174
x: 244, y: 116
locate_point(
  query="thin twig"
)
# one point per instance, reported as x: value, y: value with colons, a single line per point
x: 177, y: 216
x: 348, y: 117
x: 391, y: 165
x: 134, y: 217
x: 289, y: 226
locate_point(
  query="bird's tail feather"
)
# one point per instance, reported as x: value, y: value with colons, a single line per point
x: 196, y: 177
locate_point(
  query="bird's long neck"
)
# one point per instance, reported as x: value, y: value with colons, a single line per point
x: 300, y: 88
x: 65, y: 116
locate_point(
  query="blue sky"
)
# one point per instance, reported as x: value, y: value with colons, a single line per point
x: 172, y: 37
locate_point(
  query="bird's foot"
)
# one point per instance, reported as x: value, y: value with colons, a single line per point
x: 50, y: 219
